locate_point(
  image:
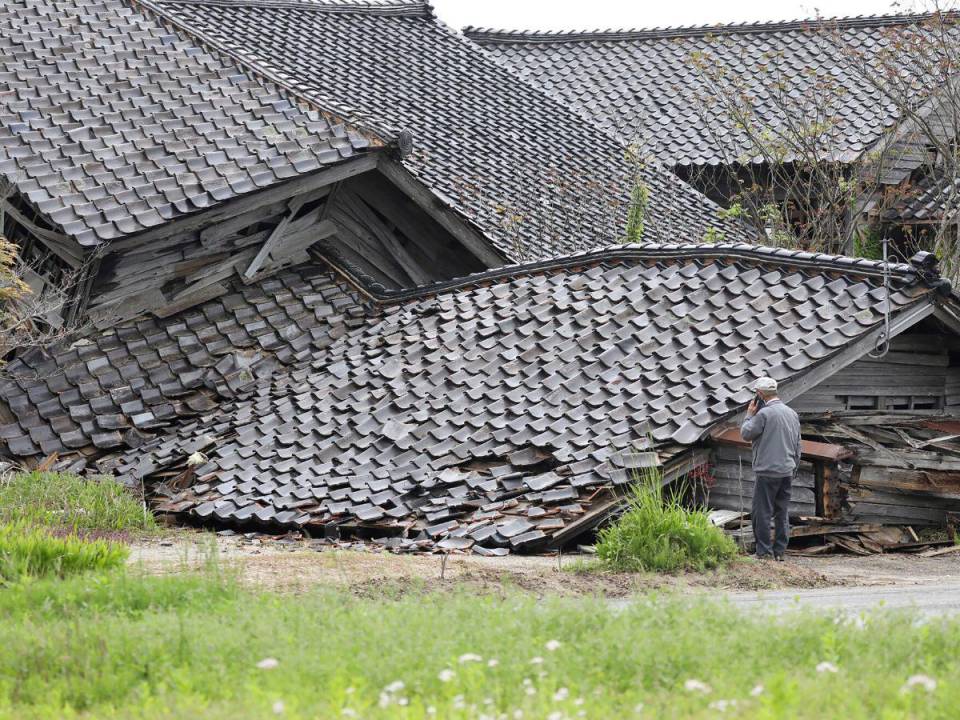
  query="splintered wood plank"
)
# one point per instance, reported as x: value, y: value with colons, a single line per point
x: 274, y: 238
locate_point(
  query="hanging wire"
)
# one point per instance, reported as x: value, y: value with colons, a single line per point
x: 882, y: 347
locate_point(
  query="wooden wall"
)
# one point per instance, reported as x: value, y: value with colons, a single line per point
x: 917, y: 373
x: 734, y: 481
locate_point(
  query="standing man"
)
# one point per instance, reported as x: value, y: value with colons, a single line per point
x: 774, y: 430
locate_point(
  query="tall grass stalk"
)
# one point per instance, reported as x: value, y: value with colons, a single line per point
x: 657, y: 532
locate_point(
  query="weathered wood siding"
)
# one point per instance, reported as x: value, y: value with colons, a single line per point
x: 915, y: 374
x: 734, y: 481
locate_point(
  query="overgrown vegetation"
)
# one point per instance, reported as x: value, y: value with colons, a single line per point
x: 121, y: 646
x: 28, y: 551
x: 70, y: 503
x: 658, y: 532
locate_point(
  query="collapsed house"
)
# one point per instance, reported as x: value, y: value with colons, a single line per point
x: 292, y: 317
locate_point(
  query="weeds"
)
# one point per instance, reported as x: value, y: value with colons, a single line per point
x: 658, y: 533
x: 30, y: 551
x: 130, y: 646
x: 73, y: 504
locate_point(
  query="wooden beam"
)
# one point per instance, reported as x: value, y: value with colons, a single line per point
x: 471, y: 239
x: 363, y: 214
x: 250, y: 201
x: 278, y: 232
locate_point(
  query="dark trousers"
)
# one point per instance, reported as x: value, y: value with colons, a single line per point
x: 771, y: 496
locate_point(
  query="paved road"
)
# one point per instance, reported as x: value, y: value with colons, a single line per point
x: 928, y: 598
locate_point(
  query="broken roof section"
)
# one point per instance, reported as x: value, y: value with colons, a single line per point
x: 118, y: 388
x: 644, y: 84
x: 501, y: 410
x: 111, y: 122
x: 530, y: 172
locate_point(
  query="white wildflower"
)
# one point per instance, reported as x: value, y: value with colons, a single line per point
x: 578, y: 701
x: 268, y: 663
x: 696, y: 686
x: 403, y: 702
x: 446, y: 675
x: 469, y: 658
x: 394, y: 687
x: 458, y: 702
x: 536, y: 661
x: 517, y: 714
x: 722, y: 705
x: 561, y: 694
x: 638, y: 708
x: 350, y: 690
x: 826, y: 666
x: 552, y: 645
x: 922, y: 681
x: 278, y: 707
x: 531, y: 690
x: 527, y: 681
x: 757, y: 691
x: 488, y: 701
x: 555, y: 716
x: 349, y: 712
x: 431, y: 710
x: 492, y: 662
x: 385, y: 700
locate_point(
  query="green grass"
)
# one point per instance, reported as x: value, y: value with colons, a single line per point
x: 659, y: 533
x: 71, y: 503
x: 31, y: 551
x: 125, y: 646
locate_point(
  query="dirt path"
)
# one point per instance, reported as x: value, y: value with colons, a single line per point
x: 298, y: 566
x: 930, y: 598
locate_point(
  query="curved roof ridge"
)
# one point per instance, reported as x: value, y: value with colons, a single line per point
x: 364, y: 7
x: 494, y: 35
x: 903, y: 272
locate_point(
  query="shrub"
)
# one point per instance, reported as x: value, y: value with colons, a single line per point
x: 71, y: 503
x: 30, y: 551
x: 658, y: 533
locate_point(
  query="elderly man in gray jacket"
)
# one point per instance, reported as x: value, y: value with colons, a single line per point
x: 774, y: 431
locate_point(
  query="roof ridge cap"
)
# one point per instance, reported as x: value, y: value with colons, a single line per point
x: 652, y: 251
x: 407, y: 8
x: 493, y: 35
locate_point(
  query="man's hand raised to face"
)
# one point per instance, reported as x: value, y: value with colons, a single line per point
x: 752, y: 408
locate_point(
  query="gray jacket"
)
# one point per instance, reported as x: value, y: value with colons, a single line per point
x: 775, y: 434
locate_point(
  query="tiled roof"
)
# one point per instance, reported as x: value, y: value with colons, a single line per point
x: 116, y: 389
x: 526, y: 169
x: 926, y: 200
x: 111, y: 122
x: 644, y: 85
x: 497, y: 409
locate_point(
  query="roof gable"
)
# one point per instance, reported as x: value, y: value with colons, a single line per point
x: 529, y: 172
x: 112, y: 123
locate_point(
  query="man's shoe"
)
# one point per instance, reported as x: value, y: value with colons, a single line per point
x: 778, y: 558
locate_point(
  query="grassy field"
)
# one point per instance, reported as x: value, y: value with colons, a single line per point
x: 69, y: 503
x: 199, y: 645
